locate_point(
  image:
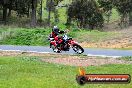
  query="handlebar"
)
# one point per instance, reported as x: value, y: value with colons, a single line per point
x: 62, y: 32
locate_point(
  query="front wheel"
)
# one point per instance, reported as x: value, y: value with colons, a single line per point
x: 55, y: 49
x: 78, y: 49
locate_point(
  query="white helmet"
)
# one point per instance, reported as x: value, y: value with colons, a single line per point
x: 55, y: 27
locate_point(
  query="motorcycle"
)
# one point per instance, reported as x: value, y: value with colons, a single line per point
x: 66, y: 45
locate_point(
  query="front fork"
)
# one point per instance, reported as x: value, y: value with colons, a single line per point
x: 50, y: 45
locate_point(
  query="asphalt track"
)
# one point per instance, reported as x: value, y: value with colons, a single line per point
x: 87, y: 51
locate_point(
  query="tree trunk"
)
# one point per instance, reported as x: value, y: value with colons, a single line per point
x: 124, y: 21
x: 9, y: 13
x: 49, y: 14
x: 108, y: 16
x: 28, y: 13
x: 68, y: 21
x: 56, y: 15
x: 10, y: 8
x: 33, y: 14
x: 130, y: 18
x: 41, y: 10
x: 49, y: 17
x: 5, y: 14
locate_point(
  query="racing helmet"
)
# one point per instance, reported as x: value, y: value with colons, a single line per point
x: 56, y: 30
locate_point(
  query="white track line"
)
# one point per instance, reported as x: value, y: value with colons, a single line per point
x: 24, y: 51
x: 104, y: 56
x: 55, y: 53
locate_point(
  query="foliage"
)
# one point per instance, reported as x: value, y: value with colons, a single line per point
x: 22, y: 7
x: 25, y: 36
x: 51, y: 6
x: 17, y: 5
x: 83, y: 13
x: 124, y: 7
x: 52, y: 3
x: 107, y: 6
x: 86, y: 13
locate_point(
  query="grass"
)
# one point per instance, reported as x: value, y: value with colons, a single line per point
x: 39, y: 36
x: 127, y: 58
x: 91, y: 36
x: 30, y: 72
x: 25, y: 36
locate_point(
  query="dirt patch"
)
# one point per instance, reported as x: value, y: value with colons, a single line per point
x: 123, y: 40
x: 120, y: 43
x: 86, y: 62
x: 72, y: 60
x: 10, y: 53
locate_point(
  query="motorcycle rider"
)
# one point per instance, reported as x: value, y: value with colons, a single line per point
x: 55, y: 32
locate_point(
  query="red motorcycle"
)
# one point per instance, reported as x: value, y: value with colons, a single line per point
x: 66, y: 45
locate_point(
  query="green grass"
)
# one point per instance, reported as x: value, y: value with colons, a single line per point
x: 91, y: 36
x: 3, y: 29
x: 25, y: 36
x: 39, y: 36
x: 127, y: 58
x: 30, y: 72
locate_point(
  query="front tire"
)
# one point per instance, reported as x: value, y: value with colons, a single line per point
x: 78, y: 49
x: 55, y: 49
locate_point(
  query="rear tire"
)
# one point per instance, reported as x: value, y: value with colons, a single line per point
x: 78, y: 49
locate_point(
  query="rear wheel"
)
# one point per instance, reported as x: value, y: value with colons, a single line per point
x: 78, y: 49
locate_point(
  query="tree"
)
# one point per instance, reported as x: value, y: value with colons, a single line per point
x: 5, y: 6
x: 86, y: 13
x: 51, y: 7
x: 124, y: 7
x: 56, y: 15
x: 107, y: 6
x: 33, y: 14
x: 41, y: 10
x: 130, y: 18
x: 17, y: 5
x: 22, y: 7
x: 10, y: 7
